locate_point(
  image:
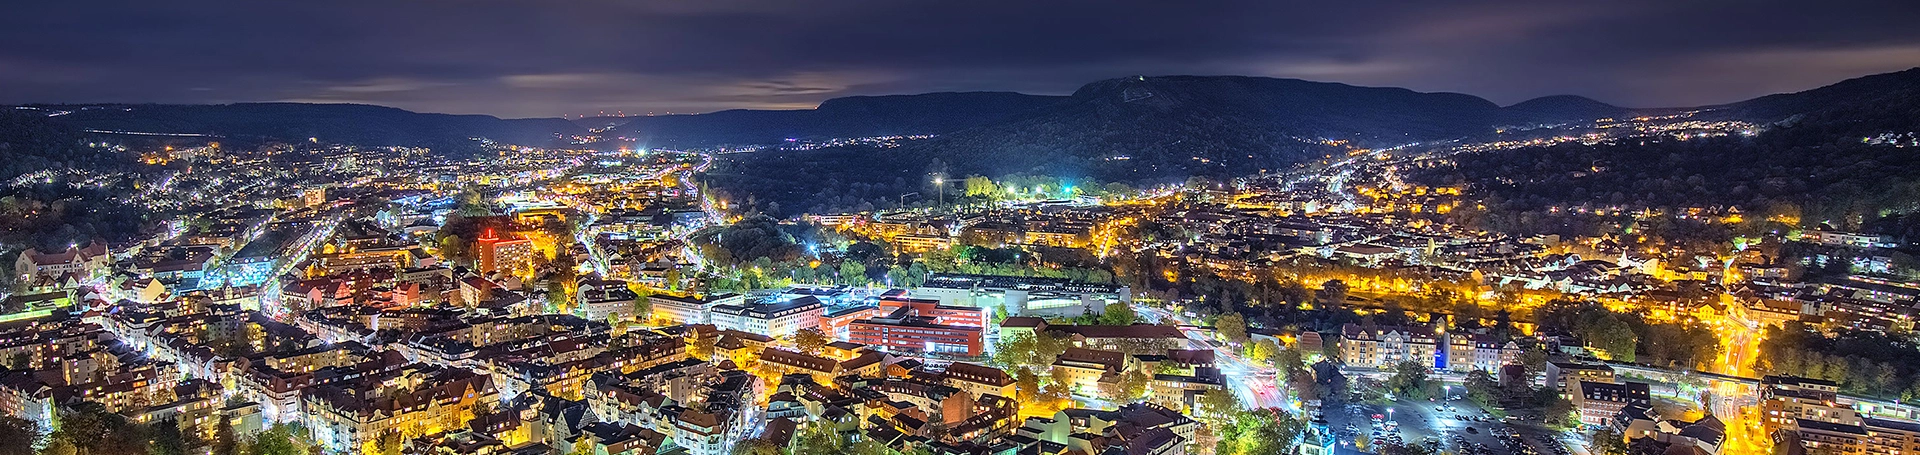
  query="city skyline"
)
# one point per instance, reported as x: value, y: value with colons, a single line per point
x: 1253, y: 228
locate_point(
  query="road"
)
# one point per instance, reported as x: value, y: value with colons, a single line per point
x: 1256, y: 385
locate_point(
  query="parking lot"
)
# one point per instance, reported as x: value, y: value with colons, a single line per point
x: 1456, y: 426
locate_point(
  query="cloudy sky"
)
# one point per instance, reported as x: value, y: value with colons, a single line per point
x: 521, y: 58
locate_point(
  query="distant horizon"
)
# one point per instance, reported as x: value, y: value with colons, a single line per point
x: 817, y: 104
x: 525, y: 59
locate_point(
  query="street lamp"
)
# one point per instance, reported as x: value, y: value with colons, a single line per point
x: 1389, y: 414
x: 940, y: 183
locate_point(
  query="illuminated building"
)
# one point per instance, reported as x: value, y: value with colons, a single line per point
x: 1599, y: 402
x: 314, y: 196
x: 778, y: 319
x: 836, y: 323
x: 496, y: 253
x: 673, y: 309
x: 1383, y: 347
x: 979, y: 380
x: 906, y: 328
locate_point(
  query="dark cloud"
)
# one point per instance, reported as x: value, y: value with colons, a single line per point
x: 542, y: 58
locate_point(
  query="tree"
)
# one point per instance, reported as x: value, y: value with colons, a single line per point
x: 1118, y: 313
x: 1055, y: 394
x: 1258, y: 432
x: 1410, y: 380
x: 60, y: 444
x: 1263, y: 352
x: 853, y: 273
x: 1555, y: 409
x: 389, y: 443
x: 757, y: 446
x: 810, y: 340
x: 1333, y: 293
x: 454, y: 249
x: 585, y: 446
x: 1290, y: 361
x: 275, y: 441
x: 1033, y: 350
x: 981, y: 187
x: 557, y: 296
x: 1026, y: 384
x: 1131, y: 386
x: 17, y: 436
x: 1482, y: 388
x: 819, y: 437
x: 224, y: 441
x: 703, y: 347
x: 1612, y: 336
x: 1232, y: 327
x: 1609, y: 442
x: 93, y: 430
x: 168, y: 440
x: 868, y: 446
x: 1533, y: 359
x: 1217, y: 404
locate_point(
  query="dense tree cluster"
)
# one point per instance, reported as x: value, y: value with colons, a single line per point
x: 32, y: 143
x: 1257, y: 432
x: 1861, y: 362
x: 55, y: 214
x: 746, y: 241
x: 1629, y: 337
x: 840, y: 179
x: 89, y: 429
x: 817, y: 437
x: 1788, y: 177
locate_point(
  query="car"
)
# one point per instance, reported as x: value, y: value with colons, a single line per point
x: 1473, y: 430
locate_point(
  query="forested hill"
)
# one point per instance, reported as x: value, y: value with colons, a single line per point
x: 1844, y: 154
x: 31, y: 141
x: 1158, y: 127
x: 858, y: 116
x: 1563, y: 108
x: 331, y: 123
x: 52, y: 214
x: 1855, y: 107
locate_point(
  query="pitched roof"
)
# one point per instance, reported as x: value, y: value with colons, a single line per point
x: 798, y: 360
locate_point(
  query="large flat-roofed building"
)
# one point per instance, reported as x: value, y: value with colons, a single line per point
x: 943, y: 314
x: 776, y: 319
x: 1785, y: 400
x: 1022, y: 296
x: 1564, y: 375
x: 918, y: 243
x: 1887, y: 436
x: 673, y: 309
x: 904, y: 330
x: 346, y: 260
x: 501, y: 254
x: 1815, y: 436
x: 836, y: 323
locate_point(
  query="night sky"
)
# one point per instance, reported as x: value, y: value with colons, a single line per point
x: 568, y: 57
